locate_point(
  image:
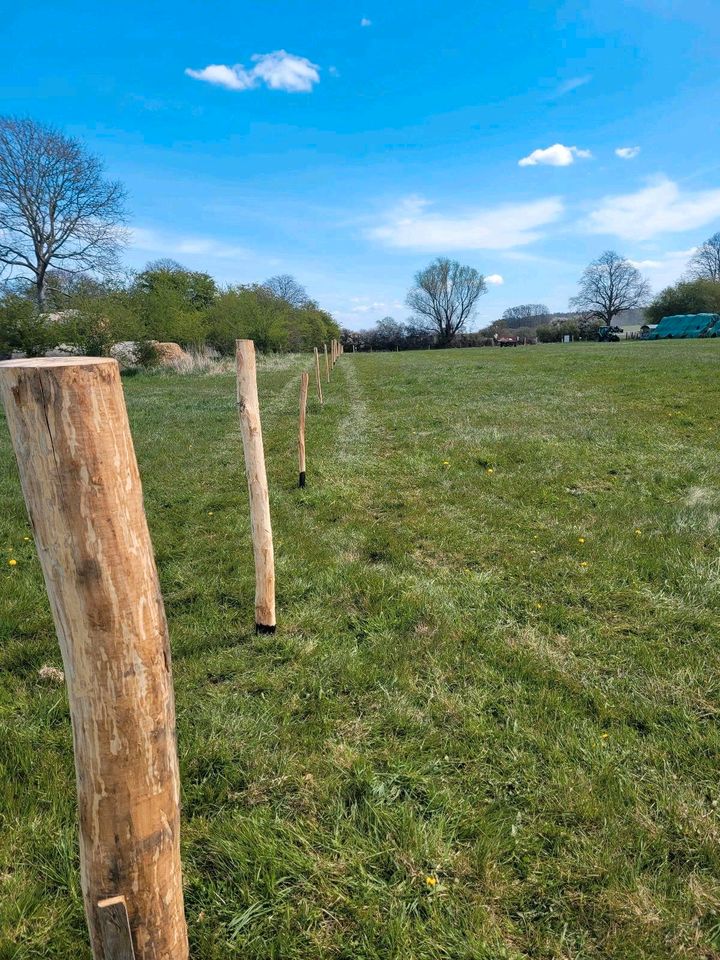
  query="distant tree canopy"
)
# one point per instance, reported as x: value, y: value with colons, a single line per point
x: 164, y: 302
x: 444, y: 298
x: 688, y: 296
x: 57, y: 210
x: 195, y: 290
x: 608, y: 286
x: 524, y: 315
x: 705, y: 262
x: 285, y: 287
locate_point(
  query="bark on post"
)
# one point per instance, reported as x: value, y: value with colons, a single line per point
x: 80, y: 480
x: 317, y: 376
x: 304, y: 380
x: 327, y: 363
x: 261, y: 528
x: 115, y: 929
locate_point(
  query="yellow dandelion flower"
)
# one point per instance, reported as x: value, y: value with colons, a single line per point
x: 581, y: 539
x: 584, y: 563
x: 539, y: 606
x: 210, y: 513
x: 26, y: 539
x: 604, y: 735
x: 431, y: 881
x: 446, y: 463
x: 490, y: 470
x: 638, y: 533
x: 12, y: 562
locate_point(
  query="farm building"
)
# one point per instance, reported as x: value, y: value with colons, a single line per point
x: 687, y: 326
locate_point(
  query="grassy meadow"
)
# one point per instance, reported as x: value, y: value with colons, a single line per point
x: 487, y: 726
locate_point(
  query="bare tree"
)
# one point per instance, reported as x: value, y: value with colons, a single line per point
x: 287, y: 288
x: 56, y: 208
x: 445, y: 296
x: 705, y: 262
x: 608, y: 286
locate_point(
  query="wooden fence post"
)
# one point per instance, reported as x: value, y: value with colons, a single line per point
x: 261, y: 528
x: 327, y: 364
x: 80, y: 480
x: 317, y: 376
x: 304, y: 380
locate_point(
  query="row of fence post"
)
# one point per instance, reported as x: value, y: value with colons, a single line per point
x: 70, y: 432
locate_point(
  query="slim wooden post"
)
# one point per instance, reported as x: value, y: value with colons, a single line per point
x: 80, y: 480
x: 304, y: 380
x: 249, y: 412
x: 317, y: 376
x: 327, y: 364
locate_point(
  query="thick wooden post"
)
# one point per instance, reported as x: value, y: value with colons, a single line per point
x: 304, y: 380
x: 327, y: 364
x: 317, y: 376
x: 249, y: 412
x: 80, y: 480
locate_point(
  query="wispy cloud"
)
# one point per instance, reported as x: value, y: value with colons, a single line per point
x: 665, y: 268
x: 627, y: 153
x: 179, y: 245
x: 572, y: 84
x: 411, y: 225
x: 365, y: 22
x: 278, y: 70
x: 495, y: 280
x: 558, y: 155
x: 661, y: 207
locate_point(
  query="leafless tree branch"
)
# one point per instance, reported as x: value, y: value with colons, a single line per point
x: 56, y: 207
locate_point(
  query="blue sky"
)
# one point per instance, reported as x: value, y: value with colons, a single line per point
x: 349, y: 144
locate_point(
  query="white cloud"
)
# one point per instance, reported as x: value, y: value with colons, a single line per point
x: 495, y: 279
x: 658, y: 208
x: 232, y: 78
x: 278, y: 70
x: 410, y: 225
x: 665, y: 268
x: 365, y: 22
x: 627, y: 153
x: 558, y: 155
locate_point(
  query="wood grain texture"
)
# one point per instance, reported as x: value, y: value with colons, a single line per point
x: 81, y: 484
x: 115, y: 929
x: 260, y: 525
x: 327, y: 363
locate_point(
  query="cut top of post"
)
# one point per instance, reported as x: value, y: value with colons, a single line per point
x: 34, y: 363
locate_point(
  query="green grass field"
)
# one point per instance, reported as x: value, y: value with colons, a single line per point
x: 487, y: 726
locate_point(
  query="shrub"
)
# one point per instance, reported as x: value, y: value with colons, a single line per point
x: 23, y: 328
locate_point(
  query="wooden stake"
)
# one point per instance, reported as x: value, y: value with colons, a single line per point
x: 249, y: 412
x: 115, y: 929
x: 304, y: 380
x: 327, y: 364
x: 317, y: 376
x: 80, y: 480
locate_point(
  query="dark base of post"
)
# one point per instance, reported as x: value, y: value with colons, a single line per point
x: 301, y: 481
x: 264, y: 628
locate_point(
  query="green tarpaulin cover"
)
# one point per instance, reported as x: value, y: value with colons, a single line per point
x: 686, y: 325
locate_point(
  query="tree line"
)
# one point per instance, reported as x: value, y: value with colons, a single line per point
x: 61, y: 233
x: 446, y: 294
